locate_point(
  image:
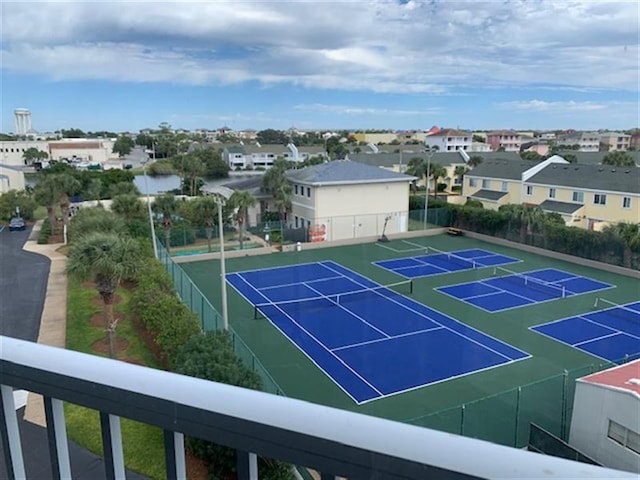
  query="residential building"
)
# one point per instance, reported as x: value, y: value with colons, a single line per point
x: 398, y: 161
x: 480, y: 147
x: 504, y: 140
x: 540, y: 147
x: 375, y: 138
x: 11, y: 178
x: 616, y: 141
x: 582, y: 141
x: 256, y: 156
x: 449, y: 140
x: 605, y: 422
x: 634, y: 141
x: 587, y: 196
x: 344, y: 199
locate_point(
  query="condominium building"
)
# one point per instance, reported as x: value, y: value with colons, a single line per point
x: 582, y: 141
x: 616, y: 141
x: 449, y: 140
x: 507, y: 140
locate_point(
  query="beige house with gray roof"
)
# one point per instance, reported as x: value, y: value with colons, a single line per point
x: 344, y: 199
x: 586, y: 196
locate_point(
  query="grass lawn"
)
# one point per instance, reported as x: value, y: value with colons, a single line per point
x: 143, y: 444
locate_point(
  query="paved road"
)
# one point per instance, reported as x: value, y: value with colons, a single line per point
x: 23, y: 286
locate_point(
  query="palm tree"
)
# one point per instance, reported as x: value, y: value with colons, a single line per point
x: 47, y: 192
x: 275, y: 182
x: 474, y: 161
x: 436, y: 172
x: 167, y: 205
x: 90, y: 220
x: 106, y: 258
x: 459, y: 172
x: 128, y: 205
x: 193, y: 169
x: 629, y: 233
x: 69, y: 186
x: 204, y: 212
x: 242, y: 200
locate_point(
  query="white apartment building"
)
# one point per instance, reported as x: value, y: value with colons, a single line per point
x: 449, y: 140
x: 585, y: 141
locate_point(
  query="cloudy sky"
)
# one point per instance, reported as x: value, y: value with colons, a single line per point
x: 533, y: 64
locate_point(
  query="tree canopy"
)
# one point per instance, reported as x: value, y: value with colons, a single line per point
x: 123, y: 145
x: 619, y: 159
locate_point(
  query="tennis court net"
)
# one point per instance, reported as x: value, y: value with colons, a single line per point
x: 616, y: 310
x: 344, y: 299
x: 522, y: 279
x: 453, y: 258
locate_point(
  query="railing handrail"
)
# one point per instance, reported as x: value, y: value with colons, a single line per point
x: 332, y: 440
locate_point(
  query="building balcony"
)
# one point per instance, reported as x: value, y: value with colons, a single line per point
x: 331, y: 441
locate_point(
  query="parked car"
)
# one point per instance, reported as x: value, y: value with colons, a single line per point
x: 17, y: 223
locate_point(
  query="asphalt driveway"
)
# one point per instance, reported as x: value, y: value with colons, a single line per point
x: 23, y: 286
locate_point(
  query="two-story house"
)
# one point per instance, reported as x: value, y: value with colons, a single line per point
x: 450, y: 140
x: 587, y: 196
x: 344, y: 199
x: 507, y: 140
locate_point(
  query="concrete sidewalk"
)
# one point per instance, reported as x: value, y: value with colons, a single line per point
x: 53, y: 322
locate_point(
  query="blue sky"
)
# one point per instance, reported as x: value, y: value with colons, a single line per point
x: 384, y: 64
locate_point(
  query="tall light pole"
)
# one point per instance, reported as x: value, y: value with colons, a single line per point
x: 429, y: 151
x: 221, y: 195
x: 151, y: 223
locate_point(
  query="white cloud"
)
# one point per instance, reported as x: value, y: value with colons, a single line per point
x: 560, y: 106
x: 361, y: 110
x: 379, y: 46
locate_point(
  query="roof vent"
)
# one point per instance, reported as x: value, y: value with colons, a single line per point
x: 613, y: 170
x: 627, y: 171
x: 601, y: 169
x: 555, y: 166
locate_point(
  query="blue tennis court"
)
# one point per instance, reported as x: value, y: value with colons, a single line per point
x: 612, y: 334
x: 371, y: 340
x: 439, y: 262
x: 515, y: 290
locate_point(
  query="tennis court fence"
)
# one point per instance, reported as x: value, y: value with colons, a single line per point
x: 210, y: 318
x: 505, y: 418
x: 502, y: 418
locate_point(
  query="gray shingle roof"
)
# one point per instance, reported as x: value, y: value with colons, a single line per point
x: 266, y: 149
x: 560, y: 207
x: 345, y: 172
x: 595, y: 158
x: 501, y: 169
x: 593, y: 177
x: 493, y: 195
x: 486, y: 156
x: 391, y: 159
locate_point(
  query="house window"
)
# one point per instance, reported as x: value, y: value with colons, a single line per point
x: 486, y: 183
x: 626, y: 202
x: 473, y: 182
x: 297, y: 221
x: 505, y: 186
x: 295, y: 189
x: 309, y: 192
x: 529, y: 189
x: 599, y: 199
x: 552, y: 193
x: 578, y: 197
x: 308, y: 223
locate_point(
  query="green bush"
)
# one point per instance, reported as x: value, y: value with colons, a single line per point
x: 211, y: 357
x: 154, y: 301
x: 182, y: 235
x: 45, y: 232
x: 12, y: 199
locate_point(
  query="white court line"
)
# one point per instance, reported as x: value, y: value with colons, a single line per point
x: 396, y: 250
x: 319, y: 343
x: 369, y: 342
x: 295, y: 283
x: 444, y: 326
x: 322, y: 295
x: 596, y: 338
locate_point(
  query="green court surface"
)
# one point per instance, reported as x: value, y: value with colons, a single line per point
x: 496, y: 404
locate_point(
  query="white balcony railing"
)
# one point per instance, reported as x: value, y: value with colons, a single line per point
x: 334, y: 442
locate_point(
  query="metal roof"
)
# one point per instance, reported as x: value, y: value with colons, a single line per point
x: 345, y: 172
x: 492, y: 195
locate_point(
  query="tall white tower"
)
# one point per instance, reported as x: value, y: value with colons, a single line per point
x: 23, y: 121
